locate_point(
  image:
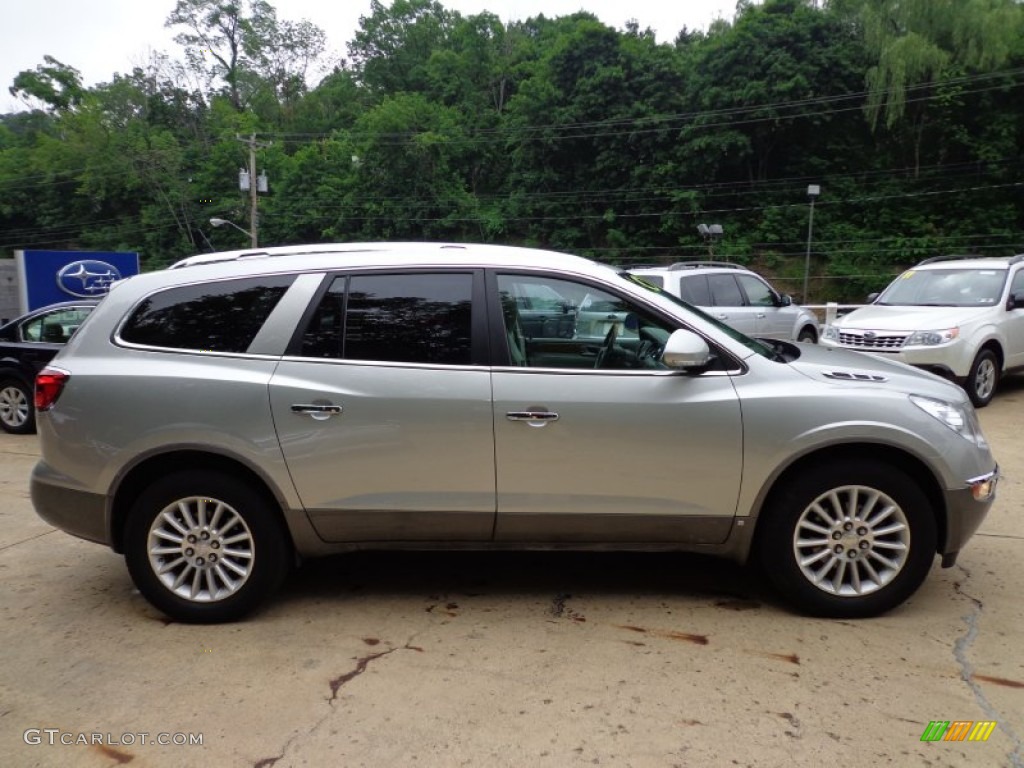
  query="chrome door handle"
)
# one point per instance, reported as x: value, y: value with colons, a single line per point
x: 531, y: 416
x: 319, y: 411
x: 311, y: 408
x: 760, y: 316
x: 722, y: 317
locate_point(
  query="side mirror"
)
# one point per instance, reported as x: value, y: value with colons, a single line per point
x: 685, y: 350
x: 1016, y: 300
x: 872, y: 297
x: 785, y: 300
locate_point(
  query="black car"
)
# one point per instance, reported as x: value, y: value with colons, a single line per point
x: 27, y: 344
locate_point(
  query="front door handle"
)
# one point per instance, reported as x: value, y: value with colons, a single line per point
x: 319, y: 411
x: 534, y: 416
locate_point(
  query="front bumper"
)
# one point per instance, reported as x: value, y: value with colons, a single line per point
x: 951, y: 361
x: 965, y: 510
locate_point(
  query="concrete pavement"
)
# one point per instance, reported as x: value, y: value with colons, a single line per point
x: 534, y: 659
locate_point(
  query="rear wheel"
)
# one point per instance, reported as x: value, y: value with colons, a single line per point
x: 17, y: 411
x: 204, y: 547
x: 983, y: 378
x: 849, y: 541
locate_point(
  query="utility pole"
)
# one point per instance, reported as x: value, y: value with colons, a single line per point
x: 248, y: 181
x: 813, y: 190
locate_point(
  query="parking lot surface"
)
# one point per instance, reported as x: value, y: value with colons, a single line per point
x: 510, y: 659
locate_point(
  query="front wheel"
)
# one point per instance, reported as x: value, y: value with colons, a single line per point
x: 983, y: 378
x: 808, y: 335
x: 848, y: 541
x: 17, y: 414
x: 203, y: 547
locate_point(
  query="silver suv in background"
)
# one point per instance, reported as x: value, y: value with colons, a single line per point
x: 961, y: 317
x: 217, y: 421
x: 736, y: 296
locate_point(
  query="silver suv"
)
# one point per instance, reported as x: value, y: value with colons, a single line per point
x: 216, y: 421
x: 961, y: 317
x: 736, y: 296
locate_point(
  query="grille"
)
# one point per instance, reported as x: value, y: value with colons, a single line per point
x: 871, y: 340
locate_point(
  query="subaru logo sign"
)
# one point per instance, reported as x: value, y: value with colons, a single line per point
x: 87, y: 278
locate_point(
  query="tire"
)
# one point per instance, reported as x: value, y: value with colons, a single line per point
x: 17, y: 408
x: 200, y: 583
x: 809, y: 521
x: 983, y: 378
x: 808, y: 334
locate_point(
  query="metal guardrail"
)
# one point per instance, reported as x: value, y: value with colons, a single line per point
x: 827, y: 313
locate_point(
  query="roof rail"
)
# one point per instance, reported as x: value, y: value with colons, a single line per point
x: 961, y: 257
x: 698, y: 264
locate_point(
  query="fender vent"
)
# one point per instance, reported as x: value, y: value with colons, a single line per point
x: 849, y: 376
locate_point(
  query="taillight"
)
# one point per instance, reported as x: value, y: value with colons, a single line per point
x: 49, y: 384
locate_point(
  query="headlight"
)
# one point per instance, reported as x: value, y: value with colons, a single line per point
x: 831, y: 332
x: 961, y: 419
x: 931, y: 338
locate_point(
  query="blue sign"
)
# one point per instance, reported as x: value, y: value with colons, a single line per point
x: 47, y: 277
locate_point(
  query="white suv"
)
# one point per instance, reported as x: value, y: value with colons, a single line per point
x: 961, y: 317
x: 737, y: 297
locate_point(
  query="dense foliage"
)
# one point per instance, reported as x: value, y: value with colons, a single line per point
x: 563, y: 133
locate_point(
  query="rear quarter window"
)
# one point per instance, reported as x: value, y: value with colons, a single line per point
x: 222, y: 316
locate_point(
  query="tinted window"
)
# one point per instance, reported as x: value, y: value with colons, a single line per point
x: 220, y: 317
x: 725, y: 291
x: 322, y: 337
x: 695, y: 290
x: 758, y: 293
x: 411, y: 318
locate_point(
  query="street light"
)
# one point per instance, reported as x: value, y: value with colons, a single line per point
x: 221, y: 222
x: 710, y: 233
x: 813, y: 190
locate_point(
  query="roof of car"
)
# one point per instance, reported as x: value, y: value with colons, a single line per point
x: 686, y: 265
x: 332, y: 256
x: 968, y: 262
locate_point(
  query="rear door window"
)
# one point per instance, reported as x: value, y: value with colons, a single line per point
x: 694, y: 289
x: 403, y: 318
x: 725, y: 291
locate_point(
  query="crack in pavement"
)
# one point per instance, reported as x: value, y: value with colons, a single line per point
x: 960, y: 648
x: 30, y: 538
x: 336, y: 684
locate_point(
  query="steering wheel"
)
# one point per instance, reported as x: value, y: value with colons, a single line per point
x: 649, y: 349
x: 609, y: 345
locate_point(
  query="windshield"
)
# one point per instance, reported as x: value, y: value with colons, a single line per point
x: 964, y: 287
x: 752, y: 344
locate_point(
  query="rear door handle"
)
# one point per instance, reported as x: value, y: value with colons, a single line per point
x: 531, y: 416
